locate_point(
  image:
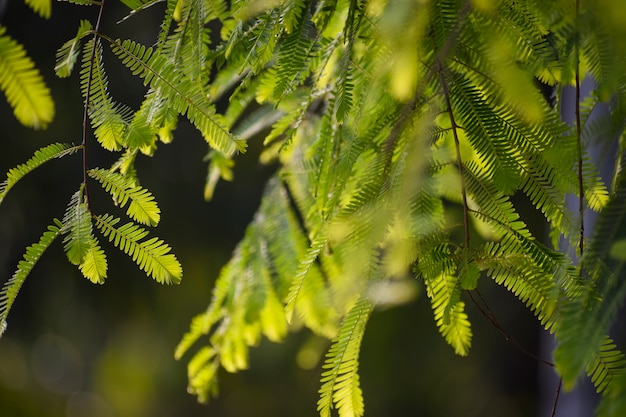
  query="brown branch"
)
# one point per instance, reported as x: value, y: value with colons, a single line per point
x: 88, y: 96
x: 556, y: 397
x: 487, y: 313
x: 581, y: 189
x: 457, y: 145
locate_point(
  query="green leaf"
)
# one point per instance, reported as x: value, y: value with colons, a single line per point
x: 468, y: 273
x: 340, y: 379
x: 77, y: 229
x: 68, y: 53
x: 108, y: 118
x: 449, y: 312
x: 23, y: 86
x: 94, y: 264
x: 185, y: 95
x: 41, y: 156
x: 152, y: 255
x: 42, y: 7
x: 142, y: 208
x: 33, y: 253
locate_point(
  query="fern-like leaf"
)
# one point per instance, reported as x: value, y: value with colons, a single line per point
x: 152, y: 255
x: 142, y: 208
x: 33, y: 253
x: 340, y: 379
x: 186, y: 96
x: 449, y: 312
x: 298, y: 281
x: 23, y: 85
x: 68, y: 53
x: 94, y: 265
x: 41, y: 156
x: 77, y: 229
x: 108, y: 118
x: 42, y: 7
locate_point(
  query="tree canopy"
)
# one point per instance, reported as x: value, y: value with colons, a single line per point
x: 402, y: 136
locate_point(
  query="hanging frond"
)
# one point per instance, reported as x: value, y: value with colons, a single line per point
x: 41, y: 156
x: 24, y: 267
x: 152, y: 255
x: 110, y: 120
x: 341, y: 389
x: 94, y: 265
x: 42, y: 7
x: 186, y: 96
x: 68, y: 53
x: 449, y: 311
x: 77, y: 228
x: 23, y: 85
x: 608, y: 364
x: 300, y: 278
x: 142, y: 208
x: 587, y: 319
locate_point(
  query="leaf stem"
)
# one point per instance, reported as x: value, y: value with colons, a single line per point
x: 581, y: 190
x: 488, y: 314
x: 457, y: 145
x: 556, y: 397
x: 87, y: 98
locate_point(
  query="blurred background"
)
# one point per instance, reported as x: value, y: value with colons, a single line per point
x: 77, y: 349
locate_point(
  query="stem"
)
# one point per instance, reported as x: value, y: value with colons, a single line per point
x: 459, y: 162
x: 581, y: 190
x: 556, y: 397
x: 409, y: 107
x: 487, y: 313
x: 87, y: 97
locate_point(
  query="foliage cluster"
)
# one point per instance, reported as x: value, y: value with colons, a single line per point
x: 400, y: 132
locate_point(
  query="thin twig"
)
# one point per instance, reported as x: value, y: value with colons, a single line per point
x: 457, y: 145
x: 409, y: 107
x: 486, y: 312
x: 581, y: 190
x: 556, y: 397
x: 88, y: 96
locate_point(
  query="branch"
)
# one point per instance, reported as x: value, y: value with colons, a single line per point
x: 87, y: 97
x: 457, y: 145
x: 486, y: 312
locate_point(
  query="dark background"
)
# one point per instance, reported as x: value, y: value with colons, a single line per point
x: 73, y: 348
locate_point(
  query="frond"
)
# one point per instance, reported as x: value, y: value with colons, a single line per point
x: 608, y: 364
x: 77, y: 228
x: 515, y: 265
x: 94, y: 265
x: 293, y: 64
x: 300, y: 277
x: 42, y: 7
x: 449, y: 312
x: 613, y: 402
x: 152, y: 255
x: 24, y: 267
x: 23, y: 85
x: 586, y: 319
x: 68, y: 53
x: 187, y: 46
x: 202, y: 374
x: 142, y: 208
x: 109, y: 119
x: 41, y: 156
x: 340, y: 379
x: 186, y: 96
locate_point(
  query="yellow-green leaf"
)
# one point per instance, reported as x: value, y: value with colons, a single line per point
x: 23, y: 85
